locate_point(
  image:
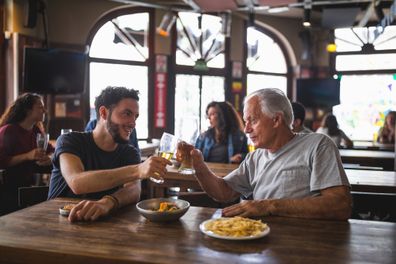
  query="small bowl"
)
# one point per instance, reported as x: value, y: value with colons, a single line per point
x: 65, y: 210
x: 148, y: 208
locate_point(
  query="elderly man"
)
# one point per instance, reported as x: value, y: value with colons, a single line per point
x: 100, y: 165
x: 295, y: 175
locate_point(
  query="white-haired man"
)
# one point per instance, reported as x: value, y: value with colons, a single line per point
x: 295, y: 175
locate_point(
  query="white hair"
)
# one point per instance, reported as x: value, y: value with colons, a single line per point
x: 273, y: 101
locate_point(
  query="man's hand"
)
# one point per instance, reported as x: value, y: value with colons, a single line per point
x: 90, y: 210
x: 153, y: 167
x: 248, y: 208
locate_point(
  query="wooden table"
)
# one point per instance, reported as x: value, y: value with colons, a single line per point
x: 374, y: 158
x: 38, y: 234
x: 370, y: 145
x: 372, y: 181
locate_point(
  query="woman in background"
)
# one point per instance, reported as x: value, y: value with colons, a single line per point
x: 224, y: 141
x: 19, y: 155
x: 330, y: 128
x: 386, y: 133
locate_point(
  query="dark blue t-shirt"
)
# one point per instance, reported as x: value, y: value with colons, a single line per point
x: 92, y: 157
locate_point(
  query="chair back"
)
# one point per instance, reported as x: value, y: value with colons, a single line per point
x: 28, y: 196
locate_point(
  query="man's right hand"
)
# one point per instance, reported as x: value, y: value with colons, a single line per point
x: 154, y: 166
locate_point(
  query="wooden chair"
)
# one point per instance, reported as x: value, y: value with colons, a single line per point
x: 28, y: 196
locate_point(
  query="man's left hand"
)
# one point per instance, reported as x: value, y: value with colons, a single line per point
x: 90, y: 210
x: 248, y: 208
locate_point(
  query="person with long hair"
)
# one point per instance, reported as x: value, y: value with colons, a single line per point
x: 330, y: 128
x: 19, y: 154
x: 225, y: 140
x: 386, y: 133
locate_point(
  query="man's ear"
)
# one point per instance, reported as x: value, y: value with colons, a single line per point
x: 277, y: 119
x: 103, y: 112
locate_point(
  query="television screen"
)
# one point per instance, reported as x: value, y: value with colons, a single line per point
x: 54, y: 71
x: 318, y: 92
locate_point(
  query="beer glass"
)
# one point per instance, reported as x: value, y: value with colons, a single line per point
x: 42, y: 141
x: 188, y: 131
x: 166, y: 149
x: 183, y: 154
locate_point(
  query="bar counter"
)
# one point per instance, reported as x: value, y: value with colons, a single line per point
x: 38, y: 234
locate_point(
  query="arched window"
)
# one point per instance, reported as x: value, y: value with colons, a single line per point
x: 118, y: 56
x: 200, y: 62
x: 266, y: 62
x: 366, y: 63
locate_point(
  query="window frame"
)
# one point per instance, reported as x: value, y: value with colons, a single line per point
x: 149, y: 63
x: 289, y: 73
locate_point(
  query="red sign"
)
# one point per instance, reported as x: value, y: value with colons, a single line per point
x: 160, y: 100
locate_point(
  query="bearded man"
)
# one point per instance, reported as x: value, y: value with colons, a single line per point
x: 99, y: 166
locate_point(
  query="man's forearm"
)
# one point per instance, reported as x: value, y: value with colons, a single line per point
x: 128, y: 194
x: 87, y: 181
x: 213, y: 185
x: 319, y: 207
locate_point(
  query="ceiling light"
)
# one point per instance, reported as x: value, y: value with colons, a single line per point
x: 307, y: 18
x: 166, y: 24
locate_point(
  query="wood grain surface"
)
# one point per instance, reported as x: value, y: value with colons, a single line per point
x: 38, y: 234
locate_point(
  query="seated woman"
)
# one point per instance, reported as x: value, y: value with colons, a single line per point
x: 330, y: 128
x: 19, y: 155
x: 386, y: 133
x: 224, y: 141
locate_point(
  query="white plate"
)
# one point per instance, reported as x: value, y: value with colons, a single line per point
x: 211, y: 234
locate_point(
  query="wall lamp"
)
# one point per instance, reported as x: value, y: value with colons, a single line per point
x: 166, y: 24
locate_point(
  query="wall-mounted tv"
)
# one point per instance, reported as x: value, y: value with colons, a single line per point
x: 318, y: 92
x: 54, y: 71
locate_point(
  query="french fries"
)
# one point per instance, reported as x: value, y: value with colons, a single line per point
x: 236, y: 226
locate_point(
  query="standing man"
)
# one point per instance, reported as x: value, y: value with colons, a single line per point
x: 295, y: 175
x: 299, y: 118
x: 100, y: 165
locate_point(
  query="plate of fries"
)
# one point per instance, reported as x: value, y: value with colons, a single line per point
x: 234, y: 228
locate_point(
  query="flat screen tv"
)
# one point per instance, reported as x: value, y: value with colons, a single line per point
x: 54, y: 71
x: 318, y: 92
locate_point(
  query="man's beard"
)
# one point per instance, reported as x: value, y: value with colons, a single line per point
x: 114, y: 130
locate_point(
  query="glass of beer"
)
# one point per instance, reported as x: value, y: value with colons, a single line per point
x: 184, y: 156
x: 166, y: 149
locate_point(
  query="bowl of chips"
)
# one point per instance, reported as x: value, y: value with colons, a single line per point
x: 163, y: 209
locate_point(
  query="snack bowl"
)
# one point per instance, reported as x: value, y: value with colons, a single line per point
x: 149, y: 209
x: 65, y: 210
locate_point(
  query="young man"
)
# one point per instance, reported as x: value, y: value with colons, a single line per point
x: 100, y: 165
x: 296, y: 175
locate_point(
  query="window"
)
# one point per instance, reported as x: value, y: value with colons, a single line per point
x: 199, y: 50
x: 119, y: 57
x: 266, y: 63
x: 366, y: 62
